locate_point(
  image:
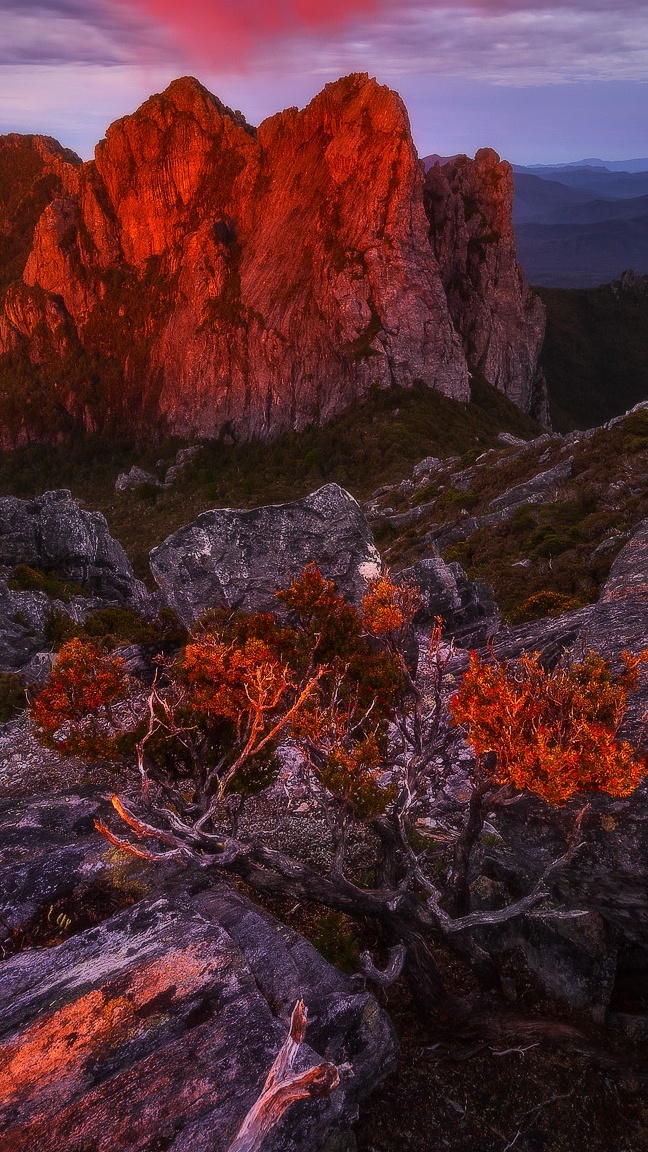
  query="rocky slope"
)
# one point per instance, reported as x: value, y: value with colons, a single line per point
x: 550, y: 510
x: 205, y: 277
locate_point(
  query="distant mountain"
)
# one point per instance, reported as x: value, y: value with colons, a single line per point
x: 582, y: 255
x: 599, y: 181
x: 639, y: 165
x: 580, y: 225
x: 540, y: 201
x: 434, y: 158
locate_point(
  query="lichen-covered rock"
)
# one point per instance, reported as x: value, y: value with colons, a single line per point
x: 134, y: 477
x: 467, y: 607
x: 158, y: 1026
x: 537, y: 490
x: 619, y: 621
x: 24, y: 618
x: 53, y: 533
x: 550, y: 636
x: 239, y: 558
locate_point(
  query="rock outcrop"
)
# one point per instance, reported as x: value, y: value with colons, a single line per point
x: 53, y: 535
x: 466, y: 607
x: 501, y: 322
x: 156, y: 1027
x: 238, y: 558
x: 216, y: 278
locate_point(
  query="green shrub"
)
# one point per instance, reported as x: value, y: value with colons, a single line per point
x: 635, y: 428
x: 455, y: 498
x: 59, y: 628
x: 147, y: 492
x: 24, y: 578
x: 545, y: 603
x: 337, y: 941
x: 428, y: 492
x: 546, y: 541
x: 12, y: 696
x: 522, y: 519
x: 120, y: 625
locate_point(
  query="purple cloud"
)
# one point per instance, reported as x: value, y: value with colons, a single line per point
x: 104, y: 32
x: 503, y: 41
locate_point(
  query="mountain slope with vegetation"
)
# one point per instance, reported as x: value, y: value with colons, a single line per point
x: 595, y: 354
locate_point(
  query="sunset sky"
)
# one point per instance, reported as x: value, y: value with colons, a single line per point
x: 541, y: 82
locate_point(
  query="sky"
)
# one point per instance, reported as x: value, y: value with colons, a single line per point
x: 546, y: 82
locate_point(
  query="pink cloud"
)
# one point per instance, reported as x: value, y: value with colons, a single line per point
x: 223, y: 32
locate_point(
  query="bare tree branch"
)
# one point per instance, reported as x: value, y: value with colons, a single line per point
x: 283, y: 1088
x: 388, y: 975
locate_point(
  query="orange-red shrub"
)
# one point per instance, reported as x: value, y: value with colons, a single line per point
x: 553, y: 733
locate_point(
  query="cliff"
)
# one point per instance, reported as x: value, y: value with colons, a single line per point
x: 500, y: 320
x: 202, y: 277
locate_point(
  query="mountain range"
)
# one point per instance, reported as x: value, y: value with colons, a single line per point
x: 580, y: 225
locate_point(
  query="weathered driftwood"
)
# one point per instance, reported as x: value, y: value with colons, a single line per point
x: 283, y: 1087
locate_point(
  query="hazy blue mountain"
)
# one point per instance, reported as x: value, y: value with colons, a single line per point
x: 599, y: 181
x: 582, y: 255
x: 539, y: 201
x: 429, y: 161
x: 583, y: 224
x: 639, y: 165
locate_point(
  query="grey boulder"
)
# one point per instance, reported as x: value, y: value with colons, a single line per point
x: 54, y: 533
x: 466, y: 607
x: 238, y: 558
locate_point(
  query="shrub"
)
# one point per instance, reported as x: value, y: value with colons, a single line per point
x: 547, y: 603
x: 12, y: 696
x: 24, y: 578
x: 553, y: 733
x: 59, y: 628
x: 371, y: 750
x: 120, y: 626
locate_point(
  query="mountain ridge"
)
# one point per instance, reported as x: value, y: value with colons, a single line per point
x: 201, y: 277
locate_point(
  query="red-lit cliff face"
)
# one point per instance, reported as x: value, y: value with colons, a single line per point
x: 501, y: 322
x: 198, y: 275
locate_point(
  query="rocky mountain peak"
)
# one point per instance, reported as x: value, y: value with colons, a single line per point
x: 260, y: 281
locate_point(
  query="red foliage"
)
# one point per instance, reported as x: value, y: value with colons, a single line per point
x: 553, y: 733
x: 389, y: 608
x: 74, y: 712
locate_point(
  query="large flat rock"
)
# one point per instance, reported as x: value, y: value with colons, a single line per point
x: 155, y: 1029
